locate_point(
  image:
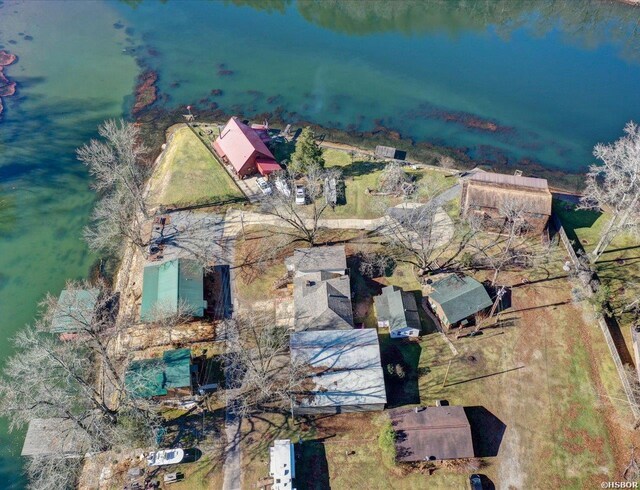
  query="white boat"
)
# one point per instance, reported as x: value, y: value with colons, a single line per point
x: 165, y: 457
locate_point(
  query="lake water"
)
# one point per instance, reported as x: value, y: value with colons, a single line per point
x: 556, y: 76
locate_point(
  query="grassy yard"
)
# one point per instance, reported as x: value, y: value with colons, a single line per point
x: 539, y: 388
x: 255, y: 279
x: 339, y: 452
x: 619, y: 265
x: 362, y: 174
x: 189, y: 175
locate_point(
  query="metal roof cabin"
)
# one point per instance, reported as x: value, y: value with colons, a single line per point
x: 432, y: 433
x: 166, y: 377
x: 485, y: 193
x: 457, y: 297
x: 167, y: 284
x: 242, y: 147
x: 344, y: 371
x: 74, y: 311
x: 397, y: 310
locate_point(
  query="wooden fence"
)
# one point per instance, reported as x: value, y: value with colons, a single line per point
x: 591, y: 284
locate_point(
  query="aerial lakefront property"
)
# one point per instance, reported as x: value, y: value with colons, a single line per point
x: 280, y: 302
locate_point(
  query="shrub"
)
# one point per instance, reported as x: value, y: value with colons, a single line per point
x: 387, y: 443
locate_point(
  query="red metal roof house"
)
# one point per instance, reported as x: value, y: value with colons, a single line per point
x: 241, y: 146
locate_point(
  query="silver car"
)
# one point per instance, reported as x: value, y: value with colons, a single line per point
x: 265, y: 187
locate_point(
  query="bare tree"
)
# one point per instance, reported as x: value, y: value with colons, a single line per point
x: 118, y: 168
x: 412, y: 236
x: 510, y: 245
x: 375, y: 263
x: 258, y: 371
x: 53, y: 472
x: 303, y: 221
x: 394, y: 180
x: 614, y: 186
x: 168, y: 317
x: 47, y: 378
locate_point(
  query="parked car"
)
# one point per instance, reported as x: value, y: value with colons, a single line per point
x: 283, y: 187
x: 265, y: 187
x: 476, y: 482
x: 301, y: 196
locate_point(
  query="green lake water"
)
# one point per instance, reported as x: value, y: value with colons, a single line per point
x: 558, y: 76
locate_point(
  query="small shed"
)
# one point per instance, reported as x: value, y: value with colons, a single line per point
x: 389, y: 152
x: 74, y: 311
x: 55, y: 437
x: 163, y: 378
x: 432, y: 433
x: 456, y: 298
x: 282, y: 464
x: 168, y: 285
x: 397, y: 310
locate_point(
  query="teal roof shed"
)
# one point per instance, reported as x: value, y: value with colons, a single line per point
x: 75, y: 310
x: 148, y: 378
x: 166, y: 285
x: 459, y: 297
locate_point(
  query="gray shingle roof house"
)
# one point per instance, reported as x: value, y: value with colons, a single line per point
x: 308, y: 260
x: 397, y: 310
x: 456, y: 297
x: 322, y: 301
x: 432, y: 433
x: 344, y: 373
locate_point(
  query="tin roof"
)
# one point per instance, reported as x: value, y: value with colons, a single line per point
x: 239, y: 142
x: 164, y: 285
x: 459, y: 296
x: 147, y: 378
x: 511, y: 180
x: 75, y: 310
x: 344, y: 367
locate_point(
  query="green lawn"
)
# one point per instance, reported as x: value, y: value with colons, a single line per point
x: 619, y: 265
x: 362, y: 174
x: 188, y: 175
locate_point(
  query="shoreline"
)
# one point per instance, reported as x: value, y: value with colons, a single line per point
x: 155, y: 121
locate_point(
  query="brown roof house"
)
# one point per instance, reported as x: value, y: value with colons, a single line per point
x: 432, y: 433
x: 242, y: 147
x: 487, y: 194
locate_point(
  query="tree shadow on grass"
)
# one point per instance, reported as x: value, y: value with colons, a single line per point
x: 359, y: 168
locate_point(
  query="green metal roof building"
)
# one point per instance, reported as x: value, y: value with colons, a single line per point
x: 397, y: 310
x: 456, y: 298
x: 168, y: 376
x: 166, y: 285
x: 75, y: 310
